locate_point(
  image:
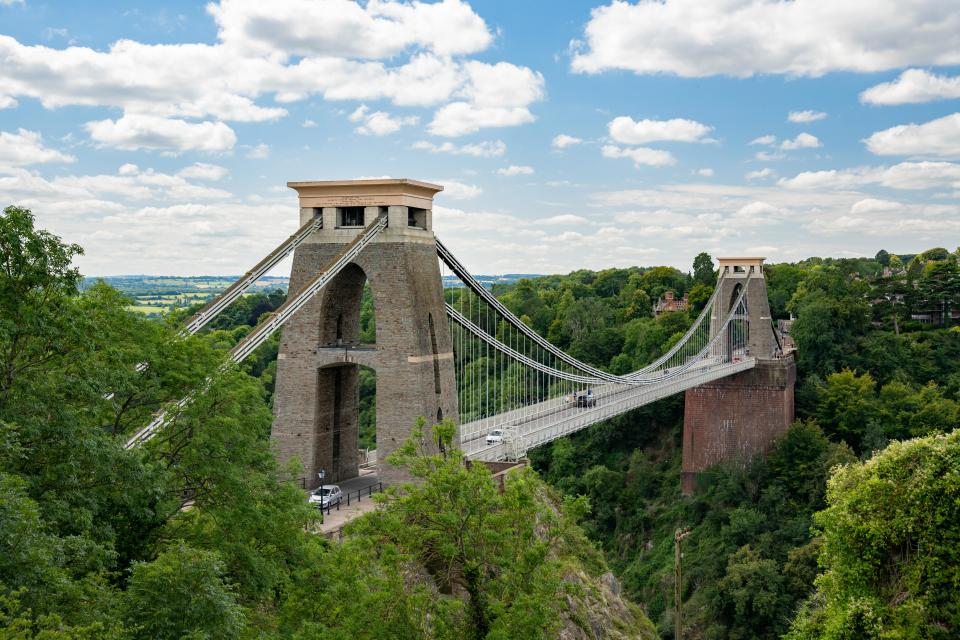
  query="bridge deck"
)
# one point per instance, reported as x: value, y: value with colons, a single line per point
x: 540, y: 423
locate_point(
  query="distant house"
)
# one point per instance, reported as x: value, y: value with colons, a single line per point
x: 889, y: 272
x: 669, y: 302
x: 935, y: 317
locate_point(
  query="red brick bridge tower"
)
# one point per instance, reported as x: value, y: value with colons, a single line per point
x: 736, y: 418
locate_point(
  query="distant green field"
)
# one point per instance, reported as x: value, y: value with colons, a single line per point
x: 155, y: 295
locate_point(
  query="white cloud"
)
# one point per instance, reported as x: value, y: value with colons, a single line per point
x: 870, y: 205
x: 802, y: 141
x: 6, y: 102
x: 766, y: 172
x: 692, y: 38
x: 146, y: 221
x: 379, y: 123
x: 705, y: 172
x: 805, y: 116
x: 496, y: 95
x: 150, y: 132
x: 940, y: 138
x: 626, y: 130
x: 198, y: 170
x: 486, y: 149
x: 501, y: 85
x: 25, y: 148
x: 461, y: 118
x: 732, y: 218
x: 911, y: 87
x: 768, y: 140
x: 458, y: 190
x: 129, y: 184
x: 291, y: 50
x: 562, y: 141
x: 766, y: 156
x: 308, y: 124
x: 258, y: 152
x: 758, y: 210
x: 564, y: 219
x: 348, y: 29
x: 515, y: 170
x: 640, y: 155
x: 906, y: 175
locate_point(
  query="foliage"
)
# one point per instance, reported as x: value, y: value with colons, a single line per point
x: 703, y: 271
x: 867, y: 376
x: 181, y: 594
x: 83, y: 520
x: 891, y: 547
x: 450, y: 556
x: 90, y: 532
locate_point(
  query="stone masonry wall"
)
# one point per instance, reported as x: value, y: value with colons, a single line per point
x: 405, y: 280
x: 736, y: 418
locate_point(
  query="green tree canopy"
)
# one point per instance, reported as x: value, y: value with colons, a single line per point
x: 891, y: 547
x: 703, y: 271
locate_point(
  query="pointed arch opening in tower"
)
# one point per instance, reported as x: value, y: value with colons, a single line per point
x: 346, y: 394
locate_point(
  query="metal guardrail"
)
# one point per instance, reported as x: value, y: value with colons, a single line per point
x: 369, y: 490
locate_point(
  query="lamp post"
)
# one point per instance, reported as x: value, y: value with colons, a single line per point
x: 677, y: 586
x: 322, y: 474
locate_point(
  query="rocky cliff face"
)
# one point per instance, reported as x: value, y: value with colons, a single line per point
x: 599, y: 611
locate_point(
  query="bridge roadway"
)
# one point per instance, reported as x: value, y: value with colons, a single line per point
x: 543, y: 422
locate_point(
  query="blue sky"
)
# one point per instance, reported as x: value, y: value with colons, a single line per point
x: 568, y: 135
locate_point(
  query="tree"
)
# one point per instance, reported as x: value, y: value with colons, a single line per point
x: 883, y: 257
x: 698, y: 297
x: 182, y: 594
x: 890, y: 557
x: 831, y: 312
x: 940, y: 287
x: 752, y: 594
x: 703, y: 272
x: 847, y: 405
x: 36, y: 281
x: 77, y: 509
x: 659, y: 280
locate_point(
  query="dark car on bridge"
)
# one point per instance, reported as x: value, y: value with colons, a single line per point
x: 586, y: 400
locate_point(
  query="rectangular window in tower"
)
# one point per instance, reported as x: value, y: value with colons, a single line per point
x: 350, y: 216
x: 416, y: 217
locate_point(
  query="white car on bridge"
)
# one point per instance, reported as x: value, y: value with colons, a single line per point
x: 326, y: 495
x: 495, y: 436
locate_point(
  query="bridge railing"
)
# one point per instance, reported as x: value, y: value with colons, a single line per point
x: 355, y: 496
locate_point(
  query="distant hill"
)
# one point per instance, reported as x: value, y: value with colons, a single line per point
x: 144, y: 284
x: 489, y: 281
x: 154, y: 295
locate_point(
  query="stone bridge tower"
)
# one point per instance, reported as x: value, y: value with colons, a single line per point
x: 740, y: 416
x: 316, y: 402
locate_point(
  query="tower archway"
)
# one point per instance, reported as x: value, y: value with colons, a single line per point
x: 325, y: 345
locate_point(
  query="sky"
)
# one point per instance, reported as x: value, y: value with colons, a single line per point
x: 567, y: 135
